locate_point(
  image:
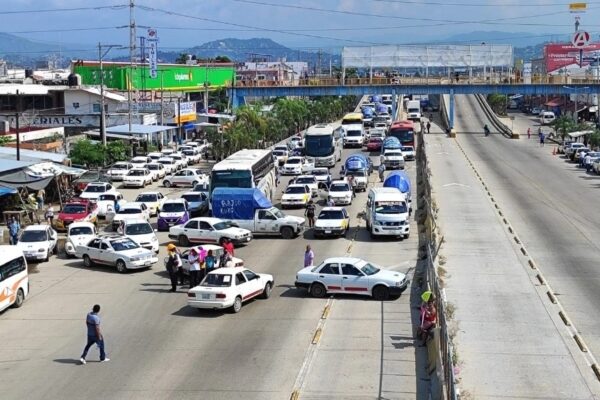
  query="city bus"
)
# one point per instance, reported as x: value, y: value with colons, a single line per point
x: 403, y: 131
x: 323, y: 144
x: 246, y: 169
x: 14, y: 280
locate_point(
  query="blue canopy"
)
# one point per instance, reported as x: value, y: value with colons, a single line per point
x: 381, y: 108
x: 391, y: 142
x: 6, y: 191
x: 237, y: 203
x: 398, y: 180
x: 356, y: 162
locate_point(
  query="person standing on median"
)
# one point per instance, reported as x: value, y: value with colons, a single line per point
x: 94, y: 335
x: 173, y: 263
x: 310, y: 213
x: 309, y: 256
x: 194, y: 262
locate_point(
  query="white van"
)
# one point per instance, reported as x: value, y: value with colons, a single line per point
x: 387, y: 212
x: 547, y: 117
x: 14, y: 279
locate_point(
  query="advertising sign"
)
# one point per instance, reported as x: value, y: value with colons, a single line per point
x: 577, y: 8
x: 559, y: 56
x: 580, y: 39
x: 527, y: 73
x: 152, y: 52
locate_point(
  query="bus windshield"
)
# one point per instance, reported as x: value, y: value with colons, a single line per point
x: 237, y: 179
x: 318, y: 146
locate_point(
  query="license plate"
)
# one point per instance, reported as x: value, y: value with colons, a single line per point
x: 327, y: 231
x: 171, y: 223
x: 148, y: 262
x: 205, y: 296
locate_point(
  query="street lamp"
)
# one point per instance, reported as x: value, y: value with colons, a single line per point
x: 101, y: 55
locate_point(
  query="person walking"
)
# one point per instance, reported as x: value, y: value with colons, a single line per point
x: 381, y: 171
x: 40, y: 197
x: 13, y: 230
x: 228, y: 246
x: 49, y: 215
x: 277, y: 176
x: 173, y: 263
x: 330, y: 202
x: 209, y: 261
x: 428, y: 127
x: 310, y: 213
x: 194, y: 261
x: 542, y: 139
x: 528, y: 133
x: 309, y: 256
x: 94, y: 335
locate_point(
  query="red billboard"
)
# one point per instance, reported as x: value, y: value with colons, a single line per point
x: 558, y: 56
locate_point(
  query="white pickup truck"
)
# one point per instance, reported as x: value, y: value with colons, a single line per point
x: 250, y: 209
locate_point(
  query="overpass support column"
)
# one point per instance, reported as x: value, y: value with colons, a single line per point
x: 451, y: 110
x: 236, y: 101
x: 394, y: 104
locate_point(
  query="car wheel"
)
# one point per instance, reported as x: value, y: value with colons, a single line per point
x: 121, y: 268
x: 166, y: 184
x: 87, y: 261
x: 183, y: 240
x: 19, y: 299
x: 381, y: 293
x: 317, y: 290
x: 267, y: 290
x: 406, y: 236
x: 237, y: 305
x: 287, y: 232
x: 194, y: 183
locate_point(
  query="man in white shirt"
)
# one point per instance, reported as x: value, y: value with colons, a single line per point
x: 194, y: 262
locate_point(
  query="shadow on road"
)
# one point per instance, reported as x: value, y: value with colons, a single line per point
x: 71, y: 361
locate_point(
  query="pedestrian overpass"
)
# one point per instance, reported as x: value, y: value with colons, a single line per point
x: 314, y: 88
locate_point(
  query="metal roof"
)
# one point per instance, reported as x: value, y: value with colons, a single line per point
x: 10, y: 165
x: 139, y: 129
x: 27, y: 90
x: 32, y: 156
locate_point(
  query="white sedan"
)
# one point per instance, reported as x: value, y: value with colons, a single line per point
x: 130, y: 211
x: 141, y: 232
x: 79, y: 234
x: 310, y: 181
x: 296, y: 166
x: 408, y: 152
x: 118, y: 251
x: 93, y: 190
x: 296, y: 196
x: 332, y: 221
x: 186, y: 177
x: 169, y: 164
x: 107, y: 201
x: 351, y: 275
x: 118, y: 170
x: 157, y: 170
x: 208, y: 230
x: 340, y: 192
x: 37, y: 242
x: 229, y: 288
x: 139, y: 177
x: 152, y: 200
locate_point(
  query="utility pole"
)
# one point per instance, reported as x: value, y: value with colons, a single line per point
x: 162, y: 93
x: 179, y: 135
x: 318, y: 72
x: 206, y: 84
x: 17, y: 114
x: 132, y: 39
x: 101, y: 56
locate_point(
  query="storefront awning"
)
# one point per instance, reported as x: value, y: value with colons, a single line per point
x: 6, y: 191
x: 44, y: 170
x: 577, y: 134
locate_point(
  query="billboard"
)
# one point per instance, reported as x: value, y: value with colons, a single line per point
x: 153, y: 52
x: 559, y: 56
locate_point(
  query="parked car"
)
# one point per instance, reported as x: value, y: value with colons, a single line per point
x: 351, y: 275
x: 79, y: 234
x: 107, y: 201
x: 83, y: 180
x: 570, y: 149
x: 185, y: 177
x: 75, y: 211
x: 157, y: 170
x: 332, y: 221
x: 208, y: 230
x: 38, y: 242
x: 560, y: 149
x: 173, y: 212
x: 296, y: 196
x: 197, y: 201
x: 155, y: 156
x: 152, y: 200
x: 130, y: 211
x: 577, y: 153
x: 95, y: 189
x: 138, y: 177
x: 180, y: 160
x: 230, y: 288
x: 118, y: 170
x: 536, y: 111
x: 116, y: 250
x: 141, y: 232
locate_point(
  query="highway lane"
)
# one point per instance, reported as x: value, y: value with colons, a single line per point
x: 160, y: 348
x: 551, y: 206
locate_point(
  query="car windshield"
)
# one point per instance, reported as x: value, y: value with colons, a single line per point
x: 147, y: 198
x: 192, y: 198
x: 357, y: 173
x: 136, y: 172
x: 107, y: 197
x: 176, y: 157
x: 323, y: 172
x: 33, y: 236
x: 306, y: 180
x: 369, y: 269
x: 217, y: 280
x: 407, y: 148
x: 81, y: 230
x: 277, y: 213
x: 138, y: 229
x: 295, y: 190
x: 165, y: 162
x: 129, y: 211
x: 390, y: 207
x: 152, y: 166
x: 339, y: 187
x: 173, y: 207
x: 74, y: 209
x: 95, y: 189
x: 354, y: 133
x: 393, y: 153
x: 331, y: 214
x: 219, y: 226
x: 279, y: 153
x: 294, y: 161
x: 119, y: 166
x: 123, y: 244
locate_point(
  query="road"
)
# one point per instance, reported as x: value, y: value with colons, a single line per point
x: 550, y: 204
x: 160, y: 348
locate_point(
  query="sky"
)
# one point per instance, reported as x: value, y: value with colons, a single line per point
x: 299, y: 24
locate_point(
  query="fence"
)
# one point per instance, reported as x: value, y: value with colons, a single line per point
x: 433, y: 241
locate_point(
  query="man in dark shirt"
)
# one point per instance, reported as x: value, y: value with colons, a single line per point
x: 94, y: 335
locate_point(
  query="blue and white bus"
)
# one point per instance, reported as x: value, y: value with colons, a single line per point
x: 323, y: 144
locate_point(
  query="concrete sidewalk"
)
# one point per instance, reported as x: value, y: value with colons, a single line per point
x: 508, y: 346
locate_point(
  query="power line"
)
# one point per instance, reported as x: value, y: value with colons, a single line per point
x: 52, y: 10
x: 98, y: 28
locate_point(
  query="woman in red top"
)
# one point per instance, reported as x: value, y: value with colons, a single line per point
x: 428, y: 318
x: 228, y: 246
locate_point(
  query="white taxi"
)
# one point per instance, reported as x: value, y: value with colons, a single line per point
x: 332, y: 221
x: 118, y: 170
x: 79, y: 234
x: 93, y: 190
x: 152, y: 200
x: 230, y: 288
x: 296, y: 166
x: 208, y: 230
x: 310, y: 181
x: 138, y: 177
x: 157, y: 170
x: 37, y: 242
x: 296, y: 196
x: 118, y: 251
x: 351, y: 275
x: 141, y: 232
x: 130, y: 211
x: 340, y: 192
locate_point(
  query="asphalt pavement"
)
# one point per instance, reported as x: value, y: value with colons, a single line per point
x: 160, y: 348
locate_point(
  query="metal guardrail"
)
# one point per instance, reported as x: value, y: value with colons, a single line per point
x: 492, y: 117
x: 434, y: 240
x: 444, y: 113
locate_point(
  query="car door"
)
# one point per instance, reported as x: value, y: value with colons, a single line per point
x: 353, y: 280
x: 329, y: 275
x: 52, y: 239
x: 242, y: 286
x: 191, y: 231
x: 254, y: 283
x: 266, y: 222
x: 104, y: 253
x: 207, y: 232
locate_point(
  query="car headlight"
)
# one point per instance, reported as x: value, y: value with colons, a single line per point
x: 135, y: 258
x: 400, y: 283
x: 377, y: 223
x: 41, y: 250
x: 154, y: 239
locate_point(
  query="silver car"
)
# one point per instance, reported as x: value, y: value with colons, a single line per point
x: 185, y: 177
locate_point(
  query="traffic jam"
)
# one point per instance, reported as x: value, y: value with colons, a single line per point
x: 300, y: 189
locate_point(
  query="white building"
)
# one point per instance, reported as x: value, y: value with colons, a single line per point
x: 86, y: 100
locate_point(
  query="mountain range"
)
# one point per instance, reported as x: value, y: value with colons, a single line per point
x: 24, y: 52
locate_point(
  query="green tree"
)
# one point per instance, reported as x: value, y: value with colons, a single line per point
x: 498, y: 103
x: 117, y: 150
x: 85, y: 152
x: 5, y: 140
x: 222, y: 59
x: 594, y: 140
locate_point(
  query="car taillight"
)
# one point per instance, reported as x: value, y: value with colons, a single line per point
x: 190, y: 294
x: 220, y: 296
